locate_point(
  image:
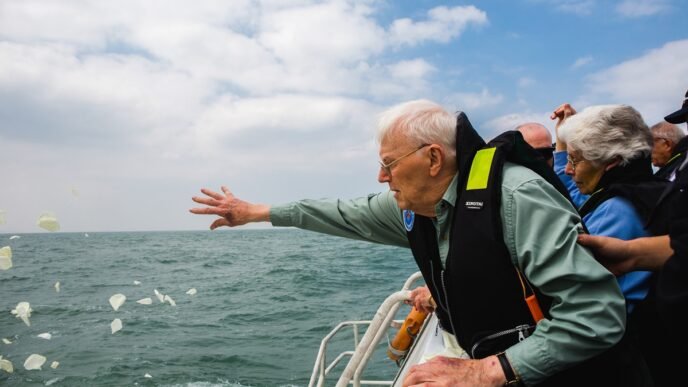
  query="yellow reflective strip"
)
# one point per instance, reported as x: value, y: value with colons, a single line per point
x: 480, y: 169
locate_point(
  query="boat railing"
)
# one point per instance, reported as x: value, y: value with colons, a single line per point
x: 363, y: 348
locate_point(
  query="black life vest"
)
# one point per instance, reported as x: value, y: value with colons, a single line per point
x: 677, y: 157
x: 636, y: 183
x: 479, y: 296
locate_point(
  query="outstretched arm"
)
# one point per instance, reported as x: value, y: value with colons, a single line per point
x: 231, y: 210
x: 621, y: 256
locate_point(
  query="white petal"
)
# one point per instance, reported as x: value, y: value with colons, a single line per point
x: 4, y: 340
x: 6, y: 366
x: 86, y: 235
x: 160, y: 297
x: 145, y: 301
x: 46, y: 336
x: 23, y: 311
x: 54, y: 364
x: 170, y: 300
x: 117, y: 300
x: 15, y: 237
x: 34, y: 362
x: 5, y: 258
x: 147, y: 376
x: 116, y: 325
x: 191, y: 291
x: 57, y: 286
x: 137, y: 282
x: 49, y: 222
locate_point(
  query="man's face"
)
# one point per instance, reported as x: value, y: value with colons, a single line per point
x: 408, y: 173
x: 661, y: 151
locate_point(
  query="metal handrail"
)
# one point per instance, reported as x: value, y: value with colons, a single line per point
x: 377, y: 328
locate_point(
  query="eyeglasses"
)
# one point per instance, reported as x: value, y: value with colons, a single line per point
x: 573, y: 162
x: 388, y: 167
x: 546, y: 152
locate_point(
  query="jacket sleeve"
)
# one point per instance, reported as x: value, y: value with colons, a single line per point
x: 375, y: 218
x: 587, y: 312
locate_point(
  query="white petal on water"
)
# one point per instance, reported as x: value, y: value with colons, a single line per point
x: 147, y: 376
x: 145, y: 301
x: 54, y: 364
x: 86, y: 235
x: 15, y: 237
x: 49, y: 222
x: 4, y: 340
x: 5, y: 258
x: 170, y: 300
x: 46, y: 336
x: 137, y: 282
x: 117, y: 300
x: 160, y: 297
x: 191, y: 291
x: 34, y: 362
x: 23, y: 311
x: 6, y: 365
x: 116, y: 325
x: 57, y: 286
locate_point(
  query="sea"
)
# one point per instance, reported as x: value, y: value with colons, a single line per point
x: 265, y: 298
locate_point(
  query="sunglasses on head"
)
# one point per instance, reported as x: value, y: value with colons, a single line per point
x: 546, y: 152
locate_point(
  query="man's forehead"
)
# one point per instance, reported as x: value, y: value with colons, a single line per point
x: 393, y: 140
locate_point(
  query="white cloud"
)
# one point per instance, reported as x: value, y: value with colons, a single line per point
x: 415, y: 68
x: 578, y: 7
x: 640, y: 8
x: 653, y: 83
x: 525, y: 82
x: 580, y: 62
x: 442, y: 25
x: 470, y: 102
x: 503, y: 123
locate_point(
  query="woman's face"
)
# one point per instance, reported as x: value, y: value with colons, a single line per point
x: 584, y: 173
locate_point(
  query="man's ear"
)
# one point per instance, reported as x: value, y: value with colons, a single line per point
x: 436, y: 155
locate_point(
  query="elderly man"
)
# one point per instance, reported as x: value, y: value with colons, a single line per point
x: 540, y: 138
x: 489, y: 236
x: 668, y: 149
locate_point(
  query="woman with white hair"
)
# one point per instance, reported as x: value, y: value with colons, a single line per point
x: 602, y: 155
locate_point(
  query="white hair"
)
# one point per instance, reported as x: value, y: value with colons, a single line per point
x: 423, y: 122
x: 605, y: 132
x: 667, y: 131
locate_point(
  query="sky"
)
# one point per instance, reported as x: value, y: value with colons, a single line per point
x: 114, y: 114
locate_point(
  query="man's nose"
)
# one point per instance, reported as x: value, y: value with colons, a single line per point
x: 382, y: 176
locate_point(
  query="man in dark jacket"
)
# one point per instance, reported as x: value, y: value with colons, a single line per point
x: 669, y: 148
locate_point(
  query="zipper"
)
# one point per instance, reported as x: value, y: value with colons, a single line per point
x: 444, y: 306
x: 522, y: 334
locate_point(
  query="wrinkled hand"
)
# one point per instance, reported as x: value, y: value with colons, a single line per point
x: 231, y: 210
x: 561, y: 113
x: 452, y: 372
x: 422, y: 300
x: 610, y: 252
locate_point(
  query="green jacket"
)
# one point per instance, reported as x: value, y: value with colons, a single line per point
x: 540, y: 230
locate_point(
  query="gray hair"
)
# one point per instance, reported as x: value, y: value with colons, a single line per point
x: 604, y: 132
x: 423, y: 122
x: 667, y: 131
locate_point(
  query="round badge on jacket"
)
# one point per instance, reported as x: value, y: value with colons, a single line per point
x: 409, y: 217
